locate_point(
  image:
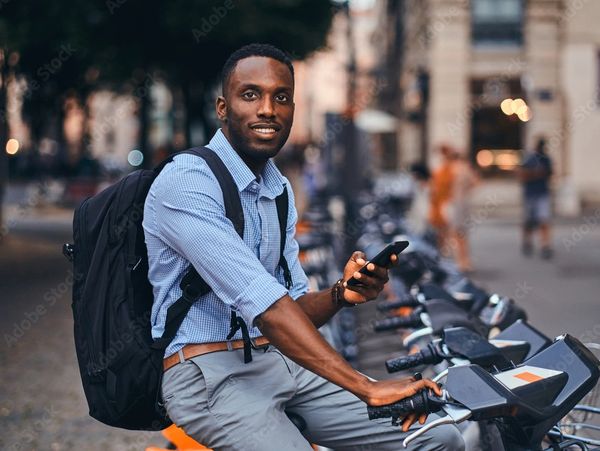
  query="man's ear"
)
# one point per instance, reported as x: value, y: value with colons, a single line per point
x: 221, y: 108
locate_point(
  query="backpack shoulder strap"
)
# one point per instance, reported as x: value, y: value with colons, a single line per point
x: 231, y: 196
x: 192, y: 284
x: 282, y: 203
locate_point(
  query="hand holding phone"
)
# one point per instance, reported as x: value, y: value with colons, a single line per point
x: 381, y: 259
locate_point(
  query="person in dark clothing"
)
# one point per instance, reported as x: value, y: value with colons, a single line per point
x: 535, y: 174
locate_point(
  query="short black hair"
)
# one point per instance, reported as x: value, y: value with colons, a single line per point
x: 266, y: 50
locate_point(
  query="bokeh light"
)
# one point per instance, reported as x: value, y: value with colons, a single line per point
x: 12, y: 146
x: 516, y: 105
x: 135, y: 157
x: 524, y: 113
x: 506, y: 106
x: 507, y: 160
x: 485, y: 158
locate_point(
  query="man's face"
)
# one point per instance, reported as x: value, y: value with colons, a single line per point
x: 257, y: 109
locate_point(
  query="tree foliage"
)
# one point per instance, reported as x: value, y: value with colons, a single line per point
x: 70, y: 48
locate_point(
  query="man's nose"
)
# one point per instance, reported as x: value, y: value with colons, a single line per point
x: 266, y: 107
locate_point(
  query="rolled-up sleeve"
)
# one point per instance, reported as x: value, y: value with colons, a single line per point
x: 192, y: 221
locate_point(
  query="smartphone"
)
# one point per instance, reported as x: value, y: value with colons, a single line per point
x: 381, y: 259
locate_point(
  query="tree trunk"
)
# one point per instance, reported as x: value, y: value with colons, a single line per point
x: 145, y: 104
x: 187, y: 106
x: 63, y: 151
x: 208, y: 127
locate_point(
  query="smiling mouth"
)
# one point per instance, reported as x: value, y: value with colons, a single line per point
x: 265, y: 130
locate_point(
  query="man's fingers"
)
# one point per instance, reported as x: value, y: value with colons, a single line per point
x: 417, y: 386
x: 378, y: 271
x: 433, y: 386
x: 362, y: 292
x: 369, y: 281
x: 408, y: 421
x: 423, y: 418
x: 359, y: 257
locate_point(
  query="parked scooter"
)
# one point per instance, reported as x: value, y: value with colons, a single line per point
x: 525, y: 403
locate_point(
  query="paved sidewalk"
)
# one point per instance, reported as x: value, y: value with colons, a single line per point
x: 42, y: 406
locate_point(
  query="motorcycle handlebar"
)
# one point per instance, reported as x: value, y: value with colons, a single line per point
x: 423, y: 357
x: 405, y: 302
x: 401, y: 322
x: 419, y: 403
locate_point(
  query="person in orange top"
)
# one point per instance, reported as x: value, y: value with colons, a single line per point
x: 442, y: 181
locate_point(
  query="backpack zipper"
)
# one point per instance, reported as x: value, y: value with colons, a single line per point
x: 92, y: 367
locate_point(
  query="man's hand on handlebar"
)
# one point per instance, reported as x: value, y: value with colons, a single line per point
x: 389, y: 391
x: 370, y: 286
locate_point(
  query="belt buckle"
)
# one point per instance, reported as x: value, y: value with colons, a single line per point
x: 257, y: 347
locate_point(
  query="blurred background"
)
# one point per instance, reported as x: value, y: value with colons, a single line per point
x: 92, y: 90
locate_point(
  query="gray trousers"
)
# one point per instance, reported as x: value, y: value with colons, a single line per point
x: 228, y: 405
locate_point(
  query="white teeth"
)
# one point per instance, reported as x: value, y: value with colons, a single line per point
x: 265, y: 130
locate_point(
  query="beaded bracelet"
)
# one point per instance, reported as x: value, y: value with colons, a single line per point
x: 337, y: 296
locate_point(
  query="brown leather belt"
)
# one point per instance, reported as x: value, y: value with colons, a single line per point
x: 194, y: 350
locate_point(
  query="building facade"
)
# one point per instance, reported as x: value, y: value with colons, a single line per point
x: 490, y: 77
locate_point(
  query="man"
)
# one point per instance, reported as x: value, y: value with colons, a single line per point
x: 535, y: 174
x: 215, y: 397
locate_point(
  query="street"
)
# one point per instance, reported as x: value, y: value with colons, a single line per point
x: 42, y: 406
x: 41, y: 401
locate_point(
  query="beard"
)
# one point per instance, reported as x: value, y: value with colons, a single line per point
x: 254, y: 150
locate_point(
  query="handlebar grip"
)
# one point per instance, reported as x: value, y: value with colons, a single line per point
x: 401, y: 322
x: 405, y: 302
x: 417, y: 403
x: 423, y: 357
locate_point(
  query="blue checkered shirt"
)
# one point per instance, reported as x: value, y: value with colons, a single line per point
x: 185, y: 222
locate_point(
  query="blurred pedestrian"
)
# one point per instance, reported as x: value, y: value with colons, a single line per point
x: 417, y: 216
x: 535, y: 174
x: 464, y: 179
x: 442, y: 180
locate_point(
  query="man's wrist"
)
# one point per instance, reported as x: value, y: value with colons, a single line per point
x: 362, y: 387
x: 337, y: 295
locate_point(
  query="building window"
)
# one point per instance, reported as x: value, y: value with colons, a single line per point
x: 497, y: 22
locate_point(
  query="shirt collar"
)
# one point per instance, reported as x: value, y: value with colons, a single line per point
x: 272, y: 181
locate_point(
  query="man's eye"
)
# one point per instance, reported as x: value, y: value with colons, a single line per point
x: 282, y: 98
x: 249, y: 95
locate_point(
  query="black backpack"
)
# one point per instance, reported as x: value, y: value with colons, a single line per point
x: 120, y: 364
